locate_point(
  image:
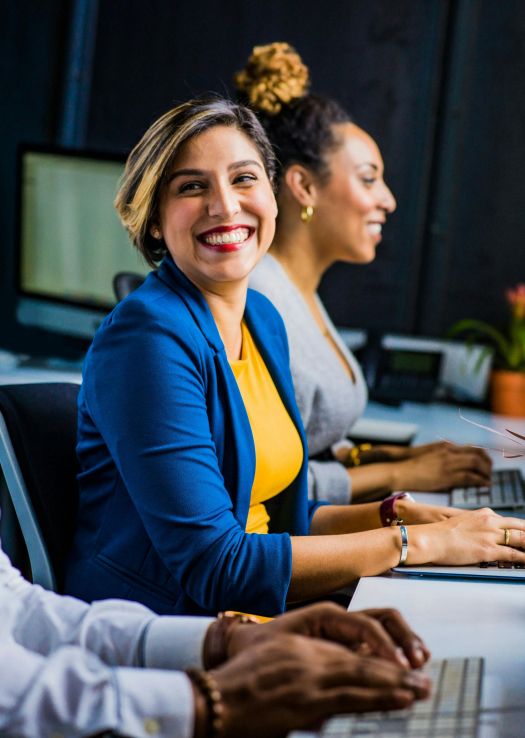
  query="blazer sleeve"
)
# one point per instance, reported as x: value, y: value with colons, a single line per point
x: 147, y: 393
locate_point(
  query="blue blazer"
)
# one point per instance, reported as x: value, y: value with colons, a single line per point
x: 167, y: 460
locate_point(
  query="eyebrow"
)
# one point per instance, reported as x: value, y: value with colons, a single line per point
x: 368, y: 164
x: 202, y: 172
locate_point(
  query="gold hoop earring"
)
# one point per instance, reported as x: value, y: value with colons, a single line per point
x: 307, y: 213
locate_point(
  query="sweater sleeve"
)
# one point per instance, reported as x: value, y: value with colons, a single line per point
x: 147, y: 394
x: 330, y: 481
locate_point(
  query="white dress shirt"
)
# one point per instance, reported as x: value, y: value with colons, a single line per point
x: 69, y: 669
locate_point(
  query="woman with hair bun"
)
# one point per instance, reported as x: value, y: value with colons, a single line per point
x: 333, y: 203
x: 192, y: 454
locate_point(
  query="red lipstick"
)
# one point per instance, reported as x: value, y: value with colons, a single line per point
x: 216, y: 239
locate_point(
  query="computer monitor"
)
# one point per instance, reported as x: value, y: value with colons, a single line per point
x: 70, y: 241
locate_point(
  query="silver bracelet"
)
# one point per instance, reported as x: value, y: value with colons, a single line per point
x: 404, y: 544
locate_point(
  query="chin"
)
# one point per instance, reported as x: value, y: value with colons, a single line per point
x: 233, y: 273
x: 368, y: 252
x: 362, y: 257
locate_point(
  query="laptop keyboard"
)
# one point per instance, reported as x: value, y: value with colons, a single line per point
x: 452, y: 711
x: 507, y: 491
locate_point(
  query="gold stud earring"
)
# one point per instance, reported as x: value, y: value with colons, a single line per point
x: 156, y: 234
x: 307, y: 213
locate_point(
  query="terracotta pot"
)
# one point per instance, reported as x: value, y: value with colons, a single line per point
x: 507, y: 393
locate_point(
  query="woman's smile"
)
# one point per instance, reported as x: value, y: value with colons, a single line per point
x: 375, y: 229
x: 227, y: 238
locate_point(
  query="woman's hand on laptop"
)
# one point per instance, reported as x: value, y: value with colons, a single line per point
x: 468, y: 538
x: 443, y: 465
x: 377, y: 632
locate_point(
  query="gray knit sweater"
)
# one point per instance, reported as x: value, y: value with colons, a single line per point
x: 328, y: 400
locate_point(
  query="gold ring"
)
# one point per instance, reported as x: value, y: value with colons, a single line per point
x: 507, y: 536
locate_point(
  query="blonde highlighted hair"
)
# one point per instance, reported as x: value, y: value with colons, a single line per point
x: 150, y: 163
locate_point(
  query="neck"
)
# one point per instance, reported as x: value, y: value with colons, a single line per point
x: 227, y: 308
x: 295, y: 249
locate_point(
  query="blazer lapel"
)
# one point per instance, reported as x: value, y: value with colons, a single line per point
x: 235, y: 449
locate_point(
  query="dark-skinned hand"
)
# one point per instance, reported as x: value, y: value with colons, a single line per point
x: 378, y: 632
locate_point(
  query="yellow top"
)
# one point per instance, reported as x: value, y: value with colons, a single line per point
x: 278, y: 448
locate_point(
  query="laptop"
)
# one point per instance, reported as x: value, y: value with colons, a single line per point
x: 507, y: 492
x: 502, y: 570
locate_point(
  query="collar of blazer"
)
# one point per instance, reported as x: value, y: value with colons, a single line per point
x: 172, y: 276
x: 176, y: 280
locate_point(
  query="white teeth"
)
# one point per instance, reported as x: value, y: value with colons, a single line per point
x: 375, y: 228
x: 237, y: 236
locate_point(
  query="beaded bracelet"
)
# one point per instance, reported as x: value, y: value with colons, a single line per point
x: 215, y: 649
x: 209, y: 689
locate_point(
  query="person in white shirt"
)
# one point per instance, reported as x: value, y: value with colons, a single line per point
x: 70, y: 669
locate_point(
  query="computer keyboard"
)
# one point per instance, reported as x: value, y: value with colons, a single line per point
x: 452, y: 711
x: 506, y: 492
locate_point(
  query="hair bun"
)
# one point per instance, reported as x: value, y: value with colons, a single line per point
x: 273, y: 76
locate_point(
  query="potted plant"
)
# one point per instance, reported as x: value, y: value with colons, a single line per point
x: 507, y: 386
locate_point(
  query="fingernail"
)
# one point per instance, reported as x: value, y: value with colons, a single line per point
x: 402, y: 659
x: 418, y: 654
x: 416, y: 679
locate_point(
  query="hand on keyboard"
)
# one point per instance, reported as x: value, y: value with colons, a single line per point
x: 378, y: 632
x: 293, y: 682
x: 451, y: 712
x: 506, y: 491
x: 439, y: 466
x: 468, y: 538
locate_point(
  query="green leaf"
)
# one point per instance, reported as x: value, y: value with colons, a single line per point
x: 478, y: 328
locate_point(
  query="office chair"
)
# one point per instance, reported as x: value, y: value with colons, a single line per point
x: 38, y: 425
x: 125, y: 282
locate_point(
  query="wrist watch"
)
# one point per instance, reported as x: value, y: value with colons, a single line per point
x: 387, y: 509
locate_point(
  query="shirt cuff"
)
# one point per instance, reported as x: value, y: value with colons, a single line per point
x: 174, y: 642
x: 154, y: 703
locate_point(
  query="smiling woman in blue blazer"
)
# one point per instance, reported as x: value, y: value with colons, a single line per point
x: 193, y: 481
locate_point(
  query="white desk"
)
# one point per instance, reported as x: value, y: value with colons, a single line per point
x: 438, y: 421
x: 460, y: 618
x: 29, y: 375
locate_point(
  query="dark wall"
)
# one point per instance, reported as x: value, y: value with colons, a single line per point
x: 475, y: 238
x: 32, y: 49
x: 437, y: 83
